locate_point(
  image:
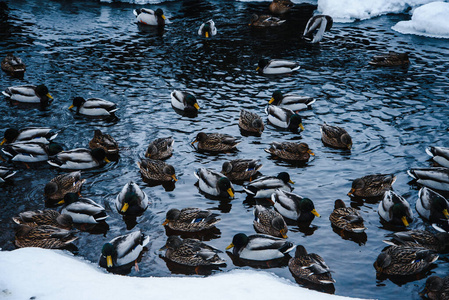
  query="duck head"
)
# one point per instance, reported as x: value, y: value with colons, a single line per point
x: 278, y: 223
x: 172, y: 215
x: 110, y: 254
x: 10, y: 135
x: 295, y: 123
x: 276, y: 98
x: 100, y: 155
x: 400, y: 213
x: 170, y: 170
x: 225, y: 188
x: 77, y: 102
x: 43, y: 94
x: 239, y: 241
x: 285, y: 177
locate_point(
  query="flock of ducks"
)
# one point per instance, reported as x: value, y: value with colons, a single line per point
x: 409, y: 252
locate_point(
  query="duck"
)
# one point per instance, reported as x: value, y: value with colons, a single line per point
x: 214, y: 183
x: 62, y: 184
x: 156, y: 170
x: 43, y: 236
x: 265, y: 21
x: 191, y: 252
x: 440, y: 155
x: 104, y: 141
x: 268, y: 221
x: 216, y: 142
x: 280, y: 7
x: 284, y: 118
x: 250, y: 122
x: 437, y: 288
x: 93, y: 107
x: 161, y: 148
x: 184, y: 101
x: 207, y: 29
x: 6, y: 173
x: 190, y: 219
x: 316, y: 27
x: 390, y: 59
x: 374, y: 185
x: 291, y: 101
x: 346, y: 218
x: 30, y: 94
x: 83, y: 210
x: 241, y: 169
x: 79, y: 159
x: 294, y: 207
x: 435, y: 178
x: 13, y: 65
x: 123, y: 250
x: 150, y: 17
x: 31, y: 152
x: 34, y: 218
x: 259, y: 247
x: 432, y: 206
x: 290, y: 151
x: 276, y: 66
x: 336, y: 137
x: 395, y: 209
x: 264, y: 186
x: 400, y: 260
x: 131, y: 200
x: 438, y: 242
x: 310, y: 267
x: 29, y: 134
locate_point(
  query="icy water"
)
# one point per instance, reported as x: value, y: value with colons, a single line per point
x: 93, y: 50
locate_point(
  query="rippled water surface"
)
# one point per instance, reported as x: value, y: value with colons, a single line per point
x: 82, y: 48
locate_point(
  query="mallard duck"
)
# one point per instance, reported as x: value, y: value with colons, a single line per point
x: 161, y: 148
x: 123, y: 250
x: 294, y: 207
x: 264, y: 186
x: 184, y: 101
x: 13, y: 65
x: 5, y: 173
x: 276, y: 66
x: 268, y: 221
x: 335, y: 136
x: 216, y: 142
x: 62, y: 184
x: 402, y: 260
x: 34, y: 218
x: 438, y: 242
x: 432, y: 206
x: 259, y: 247
x: 104, y: 141
x: 310, y: 267
x: 190, y: 219
x: 290, y: 151
x: 346, y: 218
x: 29, y: 134
x: 284, y: 118
x: 207, y: 29
x: 435, y: 178
x: 214, y: 183
x: 439, y: 155
x: 156, y: 170
x: 43, y: 236
x: 191, y: 252
x: 372, y: 185
x: 291, y: 101
x: 31, y: 152
x: 79, y: 159
x: 131, y: 200
x: 250, y: 122
x: 29, y: 94
x: 241, y: 169
x: 280, y: 7
x: 83, y: 210
x: 93, y: 107
x: 395, y: 209
x: 264, y: 21
x: 150, y: 17
x: 390, y: 59
x: 437, y: 288
x: 315, y: 28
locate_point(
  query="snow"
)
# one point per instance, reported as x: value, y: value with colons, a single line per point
x: 55, y: 274
x: 427, y: 20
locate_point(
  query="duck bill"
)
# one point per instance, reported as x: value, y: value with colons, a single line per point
x: 71, y: 106
x: 230, y: 246
x: 351, y: 192
x: 107, y: 160
x: 290, y: 181
x: 230, y: 192
x: 310, y: 152
x: 4, y: 141
x: 283, y: 233
x: 301, y: 126
x: 315, y: 213
x: 174, y: 177
x: 207, y: 34
x: 196, y: 104
x: 446, y: 214
x: 147, y: 155
x: 194, y: 142
x: 109, y: 261
x: 271, y: 100
x: 61, y: 202
x: 163, y: 17
x: 124, y: 208
x: 404, y: 220
x: 163, y: 248
x: 165, y: 222
x: 349, y: 146
x: 49, y: 96
x: 257, y: 69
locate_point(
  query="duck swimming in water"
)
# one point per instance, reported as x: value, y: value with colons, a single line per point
x: 207, y: 29
x: 150, y: 17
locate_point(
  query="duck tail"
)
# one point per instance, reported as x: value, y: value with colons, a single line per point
x: 101, y: 216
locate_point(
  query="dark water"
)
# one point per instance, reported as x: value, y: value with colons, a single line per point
x: 82, y: 48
